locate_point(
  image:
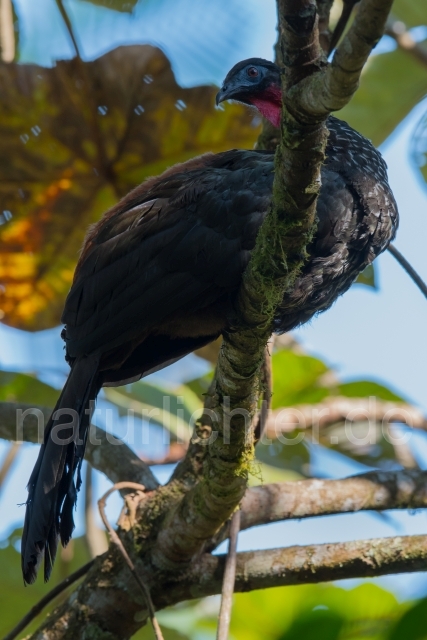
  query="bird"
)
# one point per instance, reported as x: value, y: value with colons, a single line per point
x: 158, y: 276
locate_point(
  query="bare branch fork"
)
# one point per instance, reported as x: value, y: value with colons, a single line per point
x: 115, y: 538
x: 171, y: 527
x: 295, y: 500
x: 290, y: 566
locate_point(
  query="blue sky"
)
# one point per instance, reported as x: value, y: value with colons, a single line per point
x: 369, y: 334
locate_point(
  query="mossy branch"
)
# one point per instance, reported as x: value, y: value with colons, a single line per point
x: 278, y: 255
x: 174, y: 523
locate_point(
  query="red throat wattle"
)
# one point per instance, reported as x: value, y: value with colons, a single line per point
x: 269, y: 104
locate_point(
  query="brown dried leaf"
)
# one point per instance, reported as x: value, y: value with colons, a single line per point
x: 74, y: 139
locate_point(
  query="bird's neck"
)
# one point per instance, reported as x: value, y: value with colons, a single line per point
x: 269, y: 104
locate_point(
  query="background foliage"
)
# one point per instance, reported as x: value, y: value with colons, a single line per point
x: 76, y: 136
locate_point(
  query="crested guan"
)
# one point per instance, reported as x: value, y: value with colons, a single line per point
x: 159, y: 272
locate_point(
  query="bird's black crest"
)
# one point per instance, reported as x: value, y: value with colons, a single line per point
x: 254, y: 61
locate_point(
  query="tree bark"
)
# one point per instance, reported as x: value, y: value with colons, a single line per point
x: 168, y: 532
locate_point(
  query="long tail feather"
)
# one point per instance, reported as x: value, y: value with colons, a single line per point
x: 52, y: 489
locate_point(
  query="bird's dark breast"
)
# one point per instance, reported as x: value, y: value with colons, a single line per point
x: 357, y: 219
x: 159, y: 273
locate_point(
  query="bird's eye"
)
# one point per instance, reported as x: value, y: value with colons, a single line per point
x: 252, y: 72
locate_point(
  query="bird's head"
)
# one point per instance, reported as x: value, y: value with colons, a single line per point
x: 255, y: 82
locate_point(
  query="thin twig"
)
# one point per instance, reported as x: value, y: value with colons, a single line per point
x: 267, y: 382
x: 229, y: 579
x: 8, y: 461
x: 342, y: 23
x: 95, y: 538
x: 309, y: 564
x: 373, y: 491
x: 69, y: 26
x: 409, y: 269
x: 41, y: 604
x: 115, y: 538
x: 398, y: 31
x: 324, y: 9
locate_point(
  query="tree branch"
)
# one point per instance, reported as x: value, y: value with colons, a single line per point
x: 373, y: 491
x: 254, y: 570
x: 275, y: 262
x: 271, y: 503
x: 104, y: 452
x: 229, y: 580
x: 311, y: 564
x: 314, y: 417
x: 324, y: 9
x: 348, y: 6
x: 171, y: 526
x: 332, y: 89
x: 336, y: 409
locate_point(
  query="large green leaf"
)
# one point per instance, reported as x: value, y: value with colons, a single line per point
x: 302, y: 612
x: 299, y: 379
x: 412, y: 12
x: 266, y: 473
x: 16, y: 599
x: 367, y: 277
x: 367, y: 388
x: 412, y: 625
x: 296, y: 379
x: 316, y: 624
x: 20, y: 387
x: 200, y: 386
x: 391, y: 85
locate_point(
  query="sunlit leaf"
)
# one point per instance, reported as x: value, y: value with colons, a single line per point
x: 303, y: 380
x: 75, y: 138
x: 411, y: 12
x: 391, y: 85
x: 16, y: 599
x: 296, y: 379
x: 367, y: 277
x: 266, y: 473
x: 366, y: 611
x: 366, y: 388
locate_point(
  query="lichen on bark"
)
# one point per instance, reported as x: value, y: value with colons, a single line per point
x: 173, y: 524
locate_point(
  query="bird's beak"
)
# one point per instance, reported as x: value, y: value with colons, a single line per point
x: 227, y: 92
x: 221, y: 95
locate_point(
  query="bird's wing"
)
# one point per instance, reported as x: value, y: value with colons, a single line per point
x: 180, y: 248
